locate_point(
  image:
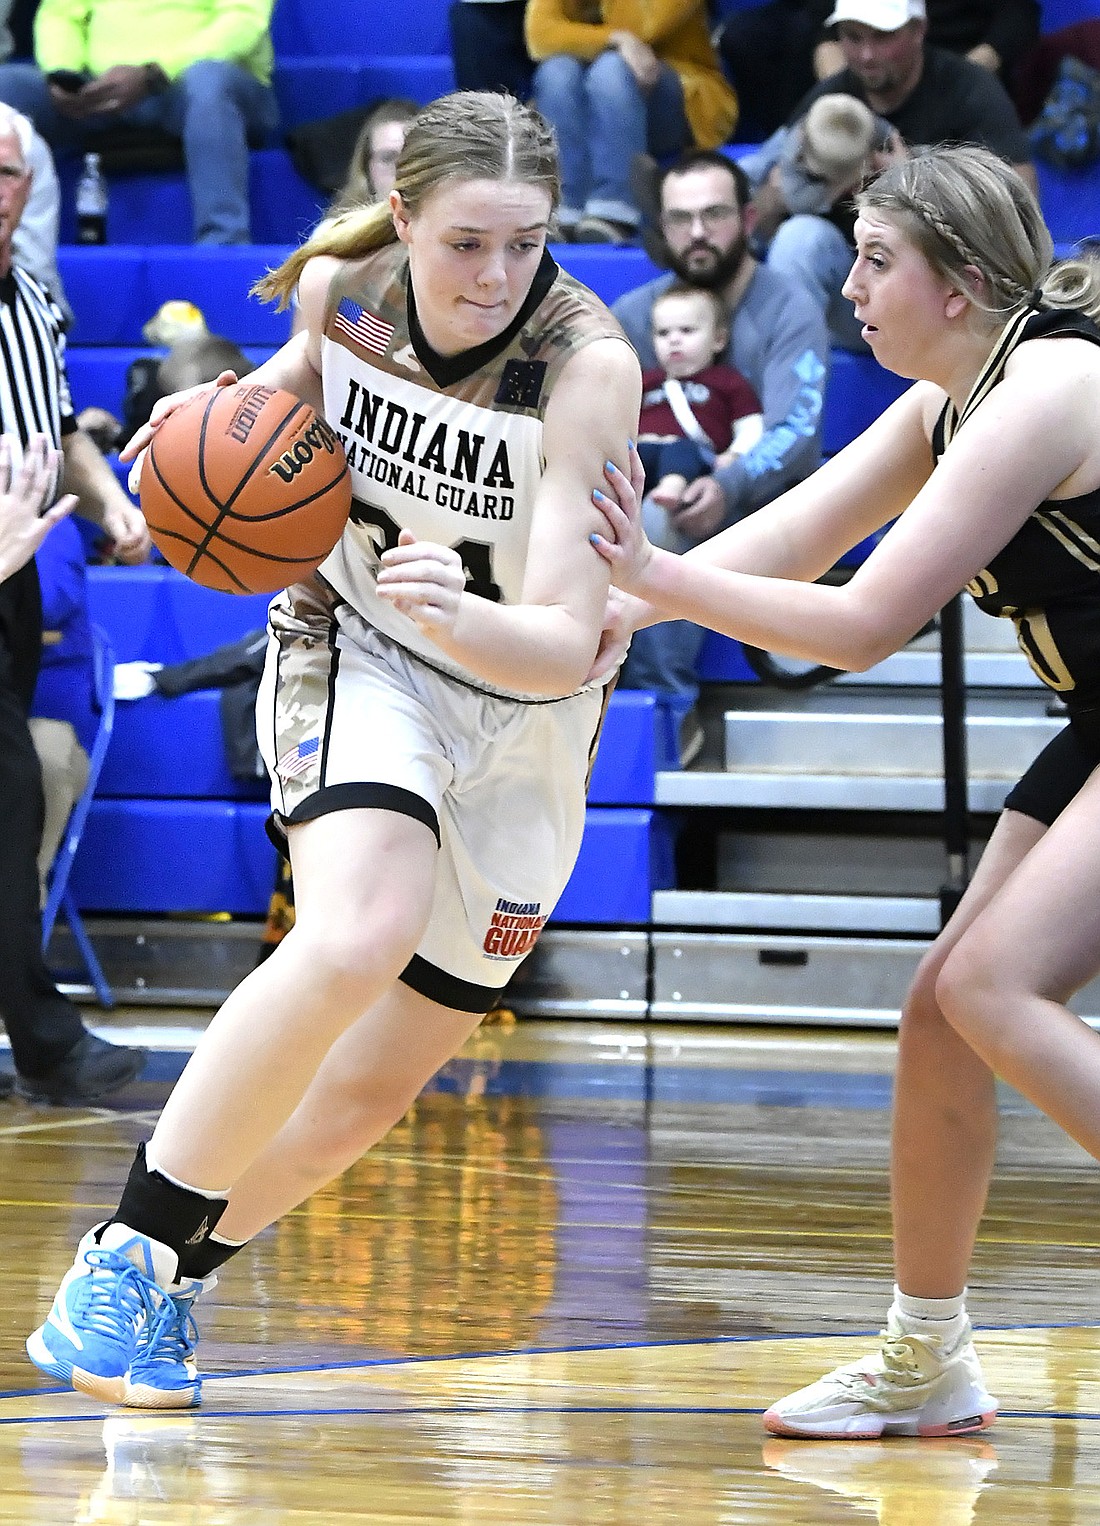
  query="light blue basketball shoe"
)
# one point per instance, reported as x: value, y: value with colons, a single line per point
x: 91, y: 1333
x: 163, y: 1374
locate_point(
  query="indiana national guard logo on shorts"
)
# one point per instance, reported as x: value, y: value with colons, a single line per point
x: 514, y: 929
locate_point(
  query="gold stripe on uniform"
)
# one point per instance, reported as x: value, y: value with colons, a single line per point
x: 1041, y: 651
x: 1083, y: 547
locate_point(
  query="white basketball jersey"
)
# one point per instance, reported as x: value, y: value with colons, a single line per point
x: 447, y: 447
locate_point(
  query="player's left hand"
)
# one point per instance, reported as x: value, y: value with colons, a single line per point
x: 628, y: 549
x: 423, y: 581
x: 125, y: 524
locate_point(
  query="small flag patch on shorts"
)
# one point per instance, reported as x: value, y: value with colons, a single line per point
x: 298, y: 759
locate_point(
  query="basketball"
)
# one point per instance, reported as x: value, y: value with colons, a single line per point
x: 245, y: 489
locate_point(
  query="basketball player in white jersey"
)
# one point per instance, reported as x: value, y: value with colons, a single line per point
x: 990, y: 467
x: 425, y: 715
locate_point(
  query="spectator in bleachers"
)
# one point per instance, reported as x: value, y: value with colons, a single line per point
x: 373, y: 166
x: 926, y: 94
x: 200, y: 70
x: 191, y: 359
x: 995, y: 34
x: 774, y: 53
x: 488, y: 46
x: 777, y: 341
x: 697, y: 412
x: 613, y: 93
x: 56, y: 1058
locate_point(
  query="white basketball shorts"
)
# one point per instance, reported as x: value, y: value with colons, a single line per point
x: 347, y: 719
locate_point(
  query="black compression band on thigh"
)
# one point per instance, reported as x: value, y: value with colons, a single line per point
x: 1056, y: 775
x: 354, y: 797
x: 429, y: 980
x: 176, y: 1216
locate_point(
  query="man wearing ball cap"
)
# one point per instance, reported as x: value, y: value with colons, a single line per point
x: 923, y: 95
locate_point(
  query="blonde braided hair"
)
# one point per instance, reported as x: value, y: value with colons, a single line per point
x: 964, y: 207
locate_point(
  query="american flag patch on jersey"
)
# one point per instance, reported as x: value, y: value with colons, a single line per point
x: 298, y: 759
x: 363, y: 327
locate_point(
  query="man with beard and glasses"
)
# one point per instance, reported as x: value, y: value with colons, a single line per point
x: 778, y: 341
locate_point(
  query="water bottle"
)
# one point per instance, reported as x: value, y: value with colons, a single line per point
x: 91, y: 203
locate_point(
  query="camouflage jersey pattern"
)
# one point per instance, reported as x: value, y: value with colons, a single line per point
x: 1046, y: 580
x: 449, y: 447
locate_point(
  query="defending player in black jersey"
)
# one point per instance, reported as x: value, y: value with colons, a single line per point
x: 990, y: 466
x: 425, y: 715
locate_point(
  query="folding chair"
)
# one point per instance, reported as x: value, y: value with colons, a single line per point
x: 59, y: 897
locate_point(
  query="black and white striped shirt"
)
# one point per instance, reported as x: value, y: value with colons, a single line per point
x: 34, y: 387
x: 34, y: 399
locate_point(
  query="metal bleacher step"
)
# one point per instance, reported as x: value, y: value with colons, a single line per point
x: 759, y: 978
x: 194, y: 962
x: 877, y: 744
x: 865, y: 749
x: 839, y: 878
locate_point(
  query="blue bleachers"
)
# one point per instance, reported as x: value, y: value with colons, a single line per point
x: 319, y: 86
x: 156, y: 208
x: 303, y: 28
x: 171, y: 830
x: 858, y: 390
x: 138, y: 279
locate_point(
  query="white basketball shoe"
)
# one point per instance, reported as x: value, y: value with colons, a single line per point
x: 914, y: 1385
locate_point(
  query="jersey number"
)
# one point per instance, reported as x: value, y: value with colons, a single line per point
x: 476, y: 555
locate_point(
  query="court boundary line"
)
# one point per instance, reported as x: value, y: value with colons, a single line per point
x: 527, y: 1351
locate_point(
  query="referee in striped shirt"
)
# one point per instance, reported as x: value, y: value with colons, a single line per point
x: 56, y: 1058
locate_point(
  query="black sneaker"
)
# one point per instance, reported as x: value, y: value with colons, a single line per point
x: 91, y: 1069
x: 7, y: 1085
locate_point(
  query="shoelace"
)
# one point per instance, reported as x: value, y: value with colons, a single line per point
x: 902, y: 1366
x: 116, y: 1297
x: 171, y: 1334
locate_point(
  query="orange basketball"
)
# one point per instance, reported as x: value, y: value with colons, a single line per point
x: 245, y: 489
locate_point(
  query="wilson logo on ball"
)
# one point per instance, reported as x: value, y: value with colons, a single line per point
x: 245, y: 488
x: 319, y: 436
x: 246, y: 415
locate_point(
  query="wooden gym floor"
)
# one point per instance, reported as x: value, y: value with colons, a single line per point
x: 563, y: 1291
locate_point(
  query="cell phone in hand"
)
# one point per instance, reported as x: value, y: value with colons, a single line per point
x: 69, y: 80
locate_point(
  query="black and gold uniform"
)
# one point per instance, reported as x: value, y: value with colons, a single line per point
x: 1046, y: 580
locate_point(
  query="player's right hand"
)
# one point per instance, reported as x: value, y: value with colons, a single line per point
x: 135, y: 448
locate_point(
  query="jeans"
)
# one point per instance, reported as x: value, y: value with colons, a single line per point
x: 215, y: 108
x: 602, y: 120
x: 817, y: 256
x: 663, y: 657
x: 488, y: 46
x: 664, y: 458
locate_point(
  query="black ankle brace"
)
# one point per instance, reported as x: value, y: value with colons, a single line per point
x: 176, y: 1216
x: 206, y: 1257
